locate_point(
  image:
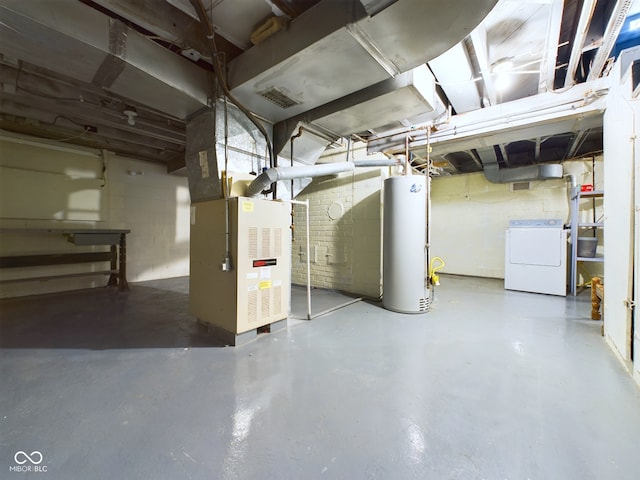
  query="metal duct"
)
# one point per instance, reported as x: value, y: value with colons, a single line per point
x: 523, y: 174
x: 494, y: 174
x: 336, y: 48
x: 103, y: 52
x: 265, y: 179
x: 201, y: 159
x: 308, y: 145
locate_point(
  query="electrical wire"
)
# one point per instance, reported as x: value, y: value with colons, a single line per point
x: 44, y: 95
x: 72, y: 138
x: 55, y: 120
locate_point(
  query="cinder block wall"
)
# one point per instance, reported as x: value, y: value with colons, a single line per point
x: 345, y: 233
x: 470, y: 216
x: 469, y: 219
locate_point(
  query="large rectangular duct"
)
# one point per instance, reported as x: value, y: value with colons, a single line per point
x: 337, y: 48
x: 103, y: 52
x: 413, y: 94
x: 201, y: 159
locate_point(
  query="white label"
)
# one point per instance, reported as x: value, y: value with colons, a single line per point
x: 277, y: 283
x: 204, y: 164
x: 252, y: 275
x: 265, y: 272
x: 252, y: 288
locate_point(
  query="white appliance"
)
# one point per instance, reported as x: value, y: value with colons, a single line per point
x: 536, y: 256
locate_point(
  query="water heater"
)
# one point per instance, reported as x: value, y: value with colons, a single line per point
x: 404, y: 260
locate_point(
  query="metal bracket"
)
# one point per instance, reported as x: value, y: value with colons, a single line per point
x: 630, y: 304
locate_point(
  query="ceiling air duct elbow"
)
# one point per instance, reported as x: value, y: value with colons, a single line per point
x: 266, y: 178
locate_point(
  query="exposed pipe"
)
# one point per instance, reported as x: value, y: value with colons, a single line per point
x: 389, y: 162
x: 393, y: 140
x: 406, y: 154
x: 293, y: 226
x: 274, y: 175
x: 428, y: 199
x: 573, y: 185
x: 225, y: 266
x: 293, y: 137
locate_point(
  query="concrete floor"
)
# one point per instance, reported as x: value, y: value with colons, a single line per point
x: 489, y: 385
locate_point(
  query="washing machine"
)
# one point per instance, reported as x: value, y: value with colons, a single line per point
x: 536, y: 256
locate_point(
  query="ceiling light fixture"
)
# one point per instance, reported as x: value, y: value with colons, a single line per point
x: 502, y: 65
x: 503, y: 81
x: 131, y: 113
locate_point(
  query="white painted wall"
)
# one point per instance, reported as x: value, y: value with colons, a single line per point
x: 49, y: 185
x: 470, y: 216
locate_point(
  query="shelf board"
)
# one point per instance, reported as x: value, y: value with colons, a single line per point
x: 592, y: 194
x: 591, y: 224
x: 597, y: 258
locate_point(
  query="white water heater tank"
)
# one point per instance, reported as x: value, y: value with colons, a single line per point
x: 404, y: 259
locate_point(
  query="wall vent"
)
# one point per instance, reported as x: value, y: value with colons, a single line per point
x: 278, y: 97
x: 520, y: 186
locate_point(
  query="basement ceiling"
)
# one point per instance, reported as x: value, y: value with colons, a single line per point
x: 125, y: 76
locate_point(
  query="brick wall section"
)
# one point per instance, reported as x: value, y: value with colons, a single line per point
x: 345, y: 233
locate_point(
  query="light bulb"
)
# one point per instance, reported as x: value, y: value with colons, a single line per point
x: 131, y: 113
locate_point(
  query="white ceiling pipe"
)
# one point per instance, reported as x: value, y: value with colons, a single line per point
x: 265, y: 179
x: 380, y: 162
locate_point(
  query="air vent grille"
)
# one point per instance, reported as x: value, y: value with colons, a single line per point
x: 277, y: 243
x: 278, y: 97
x: 265, y: 301
x: 519, y: 186
x: 277, y: 300
x: 253, y: 242
x: 266, y: 242
x: 252, y: 306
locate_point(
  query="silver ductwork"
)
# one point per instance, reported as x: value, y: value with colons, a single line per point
x: 101, y: 51
x: 273, y: 175
x: 494, y: 174
x: 523, y: 174
x: 337, y: 48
